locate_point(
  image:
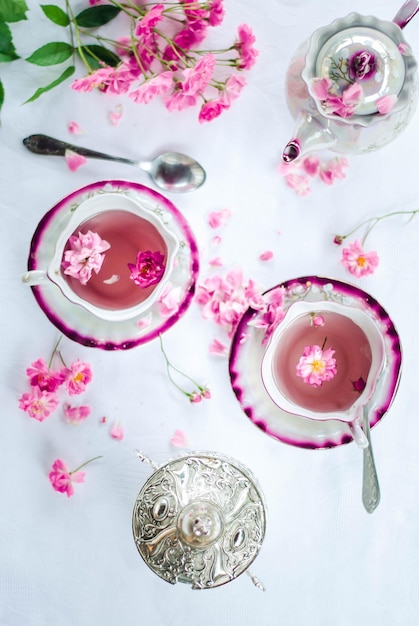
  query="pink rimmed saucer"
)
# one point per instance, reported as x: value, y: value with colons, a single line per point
x: 247, y: 353
x: 81, y: 325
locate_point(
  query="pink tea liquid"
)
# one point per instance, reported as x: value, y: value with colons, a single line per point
x: 352, y: 354
x: 127, y: 234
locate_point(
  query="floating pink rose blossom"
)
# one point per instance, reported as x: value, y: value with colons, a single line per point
x: 316, y: 366
x: 148, y: 269
x: 79, y: 374
x: 317, y: 320
x: 41, y: 376
x: 84, y: 256
x: 358, y: 262
x: 76, y: 414
x: 74, y: 160
x: 38, y: 404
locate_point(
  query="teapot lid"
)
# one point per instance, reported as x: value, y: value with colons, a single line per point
x: 366, y: 56
x: 199, y: 519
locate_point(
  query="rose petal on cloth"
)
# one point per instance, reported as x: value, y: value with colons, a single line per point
x: 74, y: 128
x: 386, y: 104
x: 74, y: 160
x: 117, y: 432
x: 116, y: 114
x: 268, y: 255
x: 179, y: 440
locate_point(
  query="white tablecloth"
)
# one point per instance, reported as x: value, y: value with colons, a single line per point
x: 324, y: 561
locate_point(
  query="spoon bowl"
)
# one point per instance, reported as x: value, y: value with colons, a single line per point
x: 171, y: 171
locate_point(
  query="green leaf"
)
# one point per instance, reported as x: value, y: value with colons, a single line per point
x: 55, y: 14
x: 13, y: 10
x: 1, y: 94
x: 94, y: 52
x: 51, y: 54
x: 66, y: 74
x: 97, y: 16
x: 7, y: 49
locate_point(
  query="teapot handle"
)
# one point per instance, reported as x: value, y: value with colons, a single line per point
x: 406, y: 12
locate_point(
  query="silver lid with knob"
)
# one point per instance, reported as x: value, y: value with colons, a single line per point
x: 199, y: 519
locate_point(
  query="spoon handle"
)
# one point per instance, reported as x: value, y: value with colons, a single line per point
x: 370, y: 485
x: 42, y: 144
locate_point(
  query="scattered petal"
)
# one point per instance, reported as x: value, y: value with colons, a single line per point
x: 103, y: 419
x: 386, y: 104
x: 218, y: 347
x: 179, y: 439
x: 145, y: 321
x: 215, y: 262
x: 74, y: 160
x: 268, y: 255
x: 74, y: 128
x: 76, y: 414
x: 115, y: 115
x: 216, y: 240
x: 117, y: 432
x: 218, y: 218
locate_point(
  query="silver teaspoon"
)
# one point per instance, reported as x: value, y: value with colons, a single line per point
x: 370, y: 485
x: 171, y: 171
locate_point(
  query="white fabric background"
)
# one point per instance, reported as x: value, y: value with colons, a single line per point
x: 325, y: 561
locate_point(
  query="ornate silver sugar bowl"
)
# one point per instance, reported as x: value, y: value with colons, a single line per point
x: 200, y: 519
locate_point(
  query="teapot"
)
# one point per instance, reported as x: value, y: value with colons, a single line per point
x: 352, y: 87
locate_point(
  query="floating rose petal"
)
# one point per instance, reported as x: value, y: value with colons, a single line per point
x: 74, y: 160
x: 179, y: 439
x: 113, y: 279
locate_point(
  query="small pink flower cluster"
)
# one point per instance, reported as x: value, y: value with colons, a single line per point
x: 45, y: 382
x: 225, y: 299
x: 148, y: 269
x: 84, y: 256
x: 161, y: 58
x: 297, y: 174
x: 316, y: 366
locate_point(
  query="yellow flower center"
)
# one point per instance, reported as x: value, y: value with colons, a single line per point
x: 317, y: 366
x: 361, y: 260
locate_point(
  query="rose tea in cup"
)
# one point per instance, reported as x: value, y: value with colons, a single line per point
x: 352, y: 354
x: 127, y: 234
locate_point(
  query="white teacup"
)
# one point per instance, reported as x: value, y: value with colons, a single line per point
x: 129, y: 228
x: 360, y: 358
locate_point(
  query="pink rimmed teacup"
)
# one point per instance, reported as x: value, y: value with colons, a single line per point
x: 130, y: 252
x: 323, y: 362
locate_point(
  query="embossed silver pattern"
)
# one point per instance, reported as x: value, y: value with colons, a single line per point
x: 199, y: 519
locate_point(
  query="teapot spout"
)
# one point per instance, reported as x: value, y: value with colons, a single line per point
x: 310, y: 136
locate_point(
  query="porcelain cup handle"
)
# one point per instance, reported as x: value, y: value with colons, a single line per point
x: 35, y: 277
x: 358, y: 434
